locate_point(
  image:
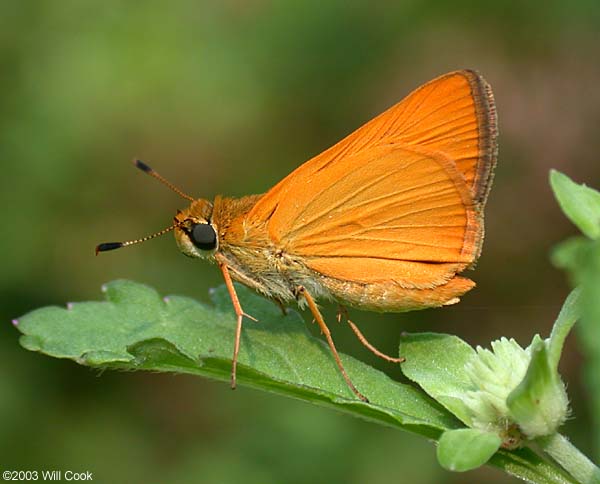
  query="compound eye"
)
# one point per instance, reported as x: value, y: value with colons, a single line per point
x: 203, y: 236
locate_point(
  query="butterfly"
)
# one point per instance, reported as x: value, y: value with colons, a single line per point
x: 386, y: 220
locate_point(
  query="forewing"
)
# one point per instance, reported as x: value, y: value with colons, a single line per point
x: 454, y: 114
x: 401, y: 197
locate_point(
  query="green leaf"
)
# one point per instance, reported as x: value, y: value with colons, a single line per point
x: 465, y: 449
x: 528, y: 466
x: 436, y: 362
x: 580, y: 204
x: 539, y: 404
x: 137, y: 330
x: 568, y: 254
x: 569, y: 314
x: 581, y: 258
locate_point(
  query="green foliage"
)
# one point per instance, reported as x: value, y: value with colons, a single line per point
x: 491, y: 390
x: 134, y: 329
x: 509, y: 396
x: 580, y: 257
x: 580, y: 203
x: 465, y: 449
x: 137, y: 330
x: 539, y: 404
x: 436, y: 362
x: 568, y: 316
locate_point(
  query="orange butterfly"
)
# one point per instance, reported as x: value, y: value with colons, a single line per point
x: 384, y: 220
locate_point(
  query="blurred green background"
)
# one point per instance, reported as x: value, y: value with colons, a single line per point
x: 228, y: 97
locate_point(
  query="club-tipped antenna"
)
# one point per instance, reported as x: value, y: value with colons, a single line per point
x: 105, y: 246
x: 146, y: 169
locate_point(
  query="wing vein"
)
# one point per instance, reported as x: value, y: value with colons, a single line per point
x: 419, y: 120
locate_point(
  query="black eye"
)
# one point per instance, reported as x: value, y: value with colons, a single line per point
x: 203, y: 236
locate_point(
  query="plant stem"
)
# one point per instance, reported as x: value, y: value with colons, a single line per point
x: 570, y: 458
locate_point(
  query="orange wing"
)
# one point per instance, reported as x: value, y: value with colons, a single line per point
x: 401, y: 197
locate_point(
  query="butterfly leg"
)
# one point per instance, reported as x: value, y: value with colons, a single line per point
x: 239, y: 314
x: 343, y: 312
x: 325, y: 330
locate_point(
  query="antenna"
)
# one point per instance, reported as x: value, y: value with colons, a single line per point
x: 146, y: 169
x: 117, y: 245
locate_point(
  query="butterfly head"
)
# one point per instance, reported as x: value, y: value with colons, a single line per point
x: 195, y: 235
